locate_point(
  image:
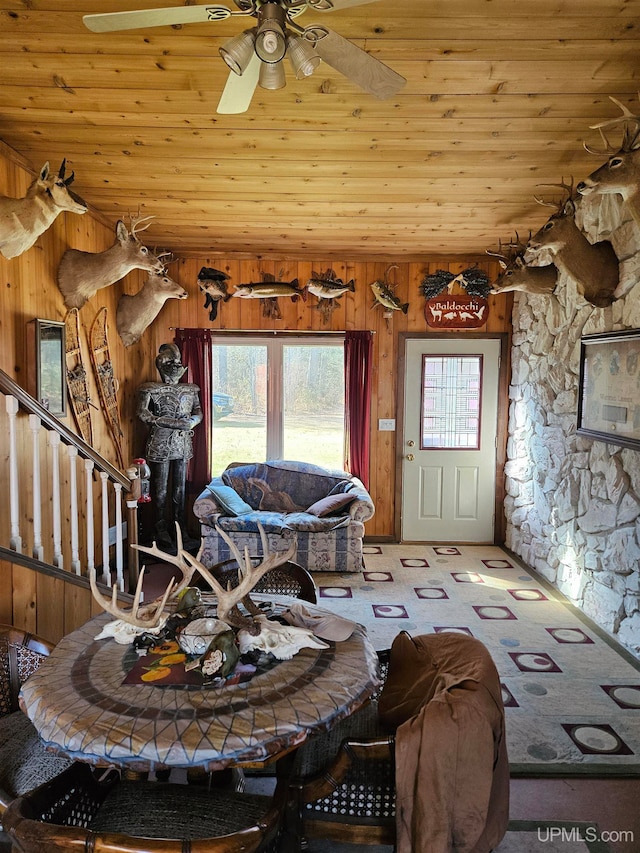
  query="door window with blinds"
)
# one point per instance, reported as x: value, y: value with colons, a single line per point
x: 451, y: 394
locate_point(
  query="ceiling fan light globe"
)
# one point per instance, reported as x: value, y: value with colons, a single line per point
x: 272, y: 75
x: 271, y: 44
x: 237, y: 52
x: 304, y: 60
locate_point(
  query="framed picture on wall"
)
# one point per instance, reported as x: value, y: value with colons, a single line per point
x: 609, y: 390
x: 47, y: 366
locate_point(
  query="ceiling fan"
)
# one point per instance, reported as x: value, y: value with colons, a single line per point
x: 256, y: 55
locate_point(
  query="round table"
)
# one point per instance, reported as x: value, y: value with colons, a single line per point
x: 81, y: 708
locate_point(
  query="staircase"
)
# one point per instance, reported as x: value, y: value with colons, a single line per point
x: 66, y: 509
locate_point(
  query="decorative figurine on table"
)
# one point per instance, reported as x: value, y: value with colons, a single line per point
x: 172, y: 409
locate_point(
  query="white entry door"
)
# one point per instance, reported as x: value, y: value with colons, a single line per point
x: 449, y: 453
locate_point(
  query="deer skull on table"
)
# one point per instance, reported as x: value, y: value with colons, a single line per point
x: 283, y: 641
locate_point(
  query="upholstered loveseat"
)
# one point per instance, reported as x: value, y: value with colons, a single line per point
x: 322, y: 511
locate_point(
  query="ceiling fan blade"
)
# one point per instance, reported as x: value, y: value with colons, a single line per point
x: 368, y: 72
x: 238, y: 91
x: 111, y: 21
x: 331, y: 5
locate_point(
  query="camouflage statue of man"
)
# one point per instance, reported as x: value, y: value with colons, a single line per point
x: 172, y: 410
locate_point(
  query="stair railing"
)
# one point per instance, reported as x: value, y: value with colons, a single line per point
x: 58, y: 525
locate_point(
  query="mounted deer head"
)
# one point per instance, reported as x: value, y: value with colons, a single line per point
x: 516, y: 275
x: 593, y: 266
x: 23, y: 220
x: 621, y: 172
x: 82, y: 274
x: 136, y: 313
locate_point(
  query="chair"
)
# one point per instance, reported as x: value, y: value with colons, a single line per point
x: 286, y: 579
x: 446, y: 687
x: 24, y: 761
x: 350, y: 796
x: 82, y: 811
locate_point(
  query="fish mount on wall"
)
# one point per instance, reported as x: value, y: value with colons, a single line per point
x: 456, y: 311
x: 327, y: 287
x: 384, y: 296
x: 23, y: 220
x: 213, y: 283
x: 269, y: 290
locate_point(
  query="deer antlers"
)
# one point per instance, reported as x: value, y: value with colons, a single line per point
x: 136, y: 221
x: 631, y: 137
x: 151, y: 617
x: 568, y: 188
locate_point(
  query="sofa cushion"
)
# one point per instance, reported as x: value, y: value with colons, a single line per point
x: 272, y: 522
x: 331, y: 504
x: 282, y: 486
x: 227, y: 498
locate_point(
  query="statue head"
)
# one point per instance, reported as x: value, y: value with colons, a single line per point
x: 169, y: 364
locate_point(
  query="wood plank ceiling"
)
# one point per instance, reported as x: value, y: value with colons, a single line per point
x: 499, y: 98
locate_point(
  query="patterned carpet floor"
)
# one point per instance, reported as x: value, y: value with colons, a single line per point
x: 571, y: 693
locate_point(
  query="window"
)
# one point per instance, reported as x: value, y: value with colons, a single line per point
x: 277, y: 398
x: 451, y: 386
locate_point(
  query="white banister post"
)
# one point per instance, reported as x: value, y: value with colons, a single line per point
x: 117, y: 487
x: 88, y: 476
x: 15, y: 543
x: 72, y: 453
x: 35, y: 425
x: 106, y: 568
x: 54, y: 444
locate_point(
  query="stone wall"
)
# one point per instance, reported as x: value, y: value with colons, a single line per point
x: 573, y: 504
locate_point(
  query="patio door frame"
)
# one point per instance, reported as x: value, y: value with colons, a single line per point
x: 501, y: 427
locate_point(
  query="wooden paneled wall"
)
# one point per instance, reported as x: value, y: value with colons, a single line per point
x: 29, y: 290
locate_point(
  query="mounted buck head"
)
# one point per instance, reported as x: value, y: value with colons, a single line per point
x: 22, y: 220
x: 516, y: 275
x: 593, y: 266
x: 136, y: 313
x: 82, y: 274
x: 621, y: 172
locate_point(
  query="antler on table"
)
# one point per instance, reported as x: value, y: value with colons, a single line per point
x: 150, y: 616
x: 187, y: 570
x: 146, y: 617
x: 248, y: 577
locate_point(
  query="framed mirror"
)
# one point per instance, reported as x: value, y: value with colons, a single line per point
x: 48, y: 368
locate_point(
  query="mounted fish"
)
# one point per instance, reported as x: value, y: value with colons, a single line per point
x: 269, y: 290
x: 213, y: 283
x: 23, y: 220
x: 383, y: 295
x: 328, y: 287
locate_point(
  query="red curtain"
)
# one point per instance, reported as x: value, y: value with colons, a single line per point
x: 195, y: 347
x: 358, y: 349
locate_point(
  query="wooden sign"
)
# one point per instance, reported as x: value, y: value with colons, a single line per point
x: 456, y: 312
